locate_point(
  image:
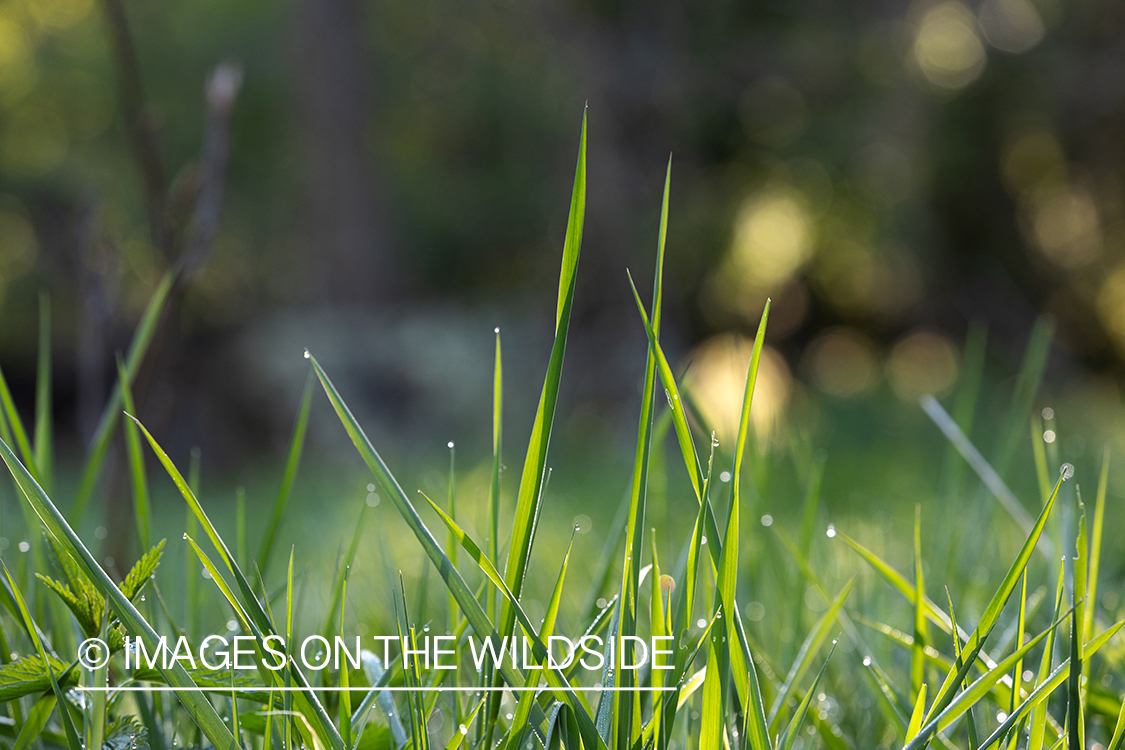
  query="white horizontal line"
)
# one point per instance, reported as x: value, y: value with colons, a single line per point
x: 398, y: 689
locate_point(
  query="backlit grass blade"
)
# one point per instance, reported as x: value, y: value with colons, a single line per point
x: 728, y: 560
x: 141, y: 511
x: 289, y: 476
x: 918, y: 714
x: 789, y: 737
x: 475, y: 615
x: 494, y: 483
x: 15, y: 425
x: 197, y: 706
x: 35, y: 721
x: 1027, y: 385
x: 988, y: 475
x: 917, y: 655
x: 1118, y: 738
x: 1037, y: 724
x: 253, y: 609
x: 815, y: 639
x: 535, y: 461
x: 623, y: 708
x: 712, y: 734
x: 941, y: 716
x: 1074, y: 714
x: 103, y: 433
x: 1095, y: 548
x: 1047, y: 686
x: 44, y: 442
x: 64, y: 711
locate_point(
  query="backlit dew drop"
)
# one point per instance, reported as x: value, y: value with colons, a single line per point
x: 185, y: 535
x: 464, y: 729
x: 831, y: 531
x: 1067, y: 471
x: 449, y: 444
x: 496, y: 329
x: 307, y: 355
x: 867, y: 661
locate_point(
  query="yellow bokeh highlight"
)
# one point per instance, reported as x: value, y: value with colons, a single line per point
x: 1066, y: 226
x: 947, y: 47
x: 717, y: 382
x: 922, y: 362
x: 842, y: 362
x: 773, y: 238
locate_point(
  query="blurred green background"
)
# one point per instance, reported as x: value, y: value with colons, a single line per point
x: 889, y: 173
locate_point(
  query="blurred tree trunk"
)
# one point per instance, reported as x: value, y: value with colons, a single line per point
x: 351, y: 258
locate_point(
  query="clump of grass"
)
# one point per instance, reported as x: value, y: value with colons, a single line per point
x: 807, y: 671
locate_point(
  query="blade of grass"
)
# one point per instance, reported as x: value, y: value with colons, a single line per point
x: 917, y: 715
x: 288, y: 477
x: 44, y: 442
x: 789, y: 736
x: 141, y: 510
x: 193, y: 702
x: 917, y: 655
x: 103, y: 433
x: 1095, y: 549
x: 64, y: 711
x: 475, y: 615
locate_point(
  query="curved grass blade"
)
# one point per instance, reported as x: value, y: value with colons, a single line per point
x: 141, y: 510
x: 789, y: 736
x: 44, y: 442
x: 257, y: 621
x: 103, y: 433
x: 289, y: 476
x: 917, y: 715
x: 193, y: 702
x: 475, y: 615
x: 1118, y: 738
x: 812, y: 644
x: 1047, y: 686
x: 64, y: 711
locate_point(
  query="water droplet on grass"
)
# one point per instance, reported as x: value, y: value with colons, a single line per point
x: 1067, y: 471
x: 307, y: 355
x: 831, y: 532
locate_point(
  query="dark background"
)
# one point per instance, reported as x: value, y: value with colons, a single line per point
x: 398, y: 180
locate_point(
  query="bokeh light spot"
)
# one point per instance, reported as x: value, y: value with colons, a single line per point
x: 773, y: 237
x: 842, y: 362
x: 947, y: 48
x: 922, y: 362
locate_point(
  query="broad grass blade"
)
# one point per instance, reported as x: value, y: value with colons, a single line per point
x: 197, y: 706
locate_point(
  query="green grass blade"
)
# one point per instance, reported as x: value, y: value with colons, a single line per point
x: 1038, y: 696
x: 535, y: 461
x: 712, y: 716
x: 497, y: 444
x: 289, y: 476
x: 1095, y: 548
x: 815, y: 639
x: 1074, y: 716
x: 44, y: 441
x: 64, y: 711
x: 103, y: 433
x: 197, y: 706
x: 475, y: 615
x: 35, y: 721
x: 1118, y: 738
x: 141, y: 510
x: 15, y: 424
x: 917, y: 715
x: 254, y: 612
x: 917, y: 655
x: 622, y: 708
x: 1037, y: 725
x: 789, y: 736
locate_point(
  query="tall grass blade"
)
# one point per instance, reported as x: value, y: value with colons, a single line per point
x: 289, y: 476
x: 789, y: 737
x: 142, y: 512
x: 921, y: 637
x: 44, y: 441
x: 1095, y: 548
x: 197, y: 706
x: 917, y: 715
x: 103, y: 433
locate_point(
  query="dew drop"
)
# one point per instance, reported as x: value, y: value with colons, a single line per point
x: 867, y: 661
x: 185, y: 535
x: 464, y: 729
x: 496, y: 329
x: 1067, y: 471
x: 307, y: 355
x: 831, y: 531
x: 449, y: 444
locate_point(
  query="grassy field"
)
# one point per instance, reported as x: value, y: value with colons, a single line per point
x: 960, y: 613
